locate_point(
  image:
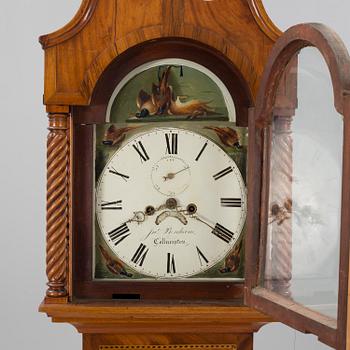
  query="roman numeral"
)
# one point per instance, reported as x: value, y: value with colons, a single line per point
x: 223, y: 233
x: 141, y: 151
x: 119, y: 234
x: 222, y: 173
x: 171, y: 143
x: 111, y: 205
x: 115, y: 172
x: 201, y: 256
x: 201, y: 151
x: 170, y: 267
x: 231, y: 202
x: 140, y: 255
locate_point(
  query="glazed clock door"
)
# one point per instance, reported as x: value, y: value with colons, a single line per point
x: 299, y: 188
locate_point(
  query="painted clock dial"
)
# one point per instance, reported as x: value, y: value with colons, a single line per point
x: 170, y: 203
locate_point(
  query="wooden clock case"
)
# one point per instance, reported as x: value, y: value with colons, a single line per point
x: 84, y: 61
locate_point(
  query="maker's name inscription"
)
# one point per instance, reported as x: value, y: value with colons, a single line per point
x: 169, y: 236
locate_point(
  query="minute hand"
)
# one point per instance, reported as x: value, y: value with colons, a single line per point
x: 220, y: 231
x: 198, y: 218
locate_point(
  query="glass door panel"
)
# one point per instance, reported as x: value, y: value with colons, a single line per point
x: 304, y: 190
x: 298, y: 236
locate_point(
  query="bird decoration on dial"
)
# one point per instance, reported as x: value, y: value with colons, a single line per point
x: 227, y: 135
x: 169, y: 90
x: 113, y: 264
x: 163, y: 101
x: 114, y: 136
x: 170, y: 204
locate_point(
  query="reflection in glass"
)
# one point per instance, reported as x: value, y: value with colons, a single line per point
x: 303, y: 231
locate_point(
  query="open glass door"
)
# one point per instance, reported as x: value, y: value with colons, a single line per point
x: 299, y: 186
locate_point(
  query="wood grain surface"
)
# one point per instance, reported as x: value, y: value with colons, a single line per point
x: 77, y: 54
x: 164, y: 318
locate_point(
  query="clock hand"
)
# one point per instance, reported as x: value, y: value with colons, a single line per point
x: 196, y: 217
x: 170, y: 176
x: 191, y: 210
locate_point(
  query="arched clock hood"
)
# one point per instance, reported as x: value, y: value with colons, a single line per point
x: 77, y: 54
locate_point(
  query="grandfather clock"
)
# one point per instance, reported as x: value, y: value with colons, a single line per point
x: 198, y: 166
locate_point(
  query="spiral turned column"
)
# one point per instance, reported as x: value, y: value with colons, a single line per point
x: 57, y: 206
x: 281, y: 178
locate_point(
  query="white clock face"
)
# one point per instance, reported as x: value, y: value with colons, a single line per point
x: 171, y: 203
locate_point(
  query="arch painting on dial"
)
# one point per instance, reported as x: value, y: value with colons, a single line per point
x: 170, y: 201
x: 170, y: 90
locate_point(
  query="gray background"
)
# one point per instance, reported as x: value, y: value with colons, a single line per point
x: 22, y: 176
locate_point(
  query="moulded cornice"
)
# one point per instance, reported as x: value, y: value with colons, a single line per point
x: 73, y: 27
x: 77, y: 54
x: 263, y: 20
x: 107, y: 317
x: 88, y: 7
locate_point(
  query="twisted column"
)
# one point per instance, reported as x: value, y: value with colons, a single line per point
x: 57, y: 205
x: 280, y: 206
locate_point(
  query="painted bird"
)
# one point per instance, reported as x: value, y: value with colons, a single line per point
x: 164, y: 101
x: 233, y: 260
x: 114, y: 265
x: 162, y: 93
x: 228, y: 136
x: 157, y: 103
x: 145, y: 104
x: 114, y: 136
x: 192, y: 108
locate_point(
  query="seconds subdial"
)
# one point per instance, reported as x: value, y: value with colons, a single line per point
x: 171, y: 175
